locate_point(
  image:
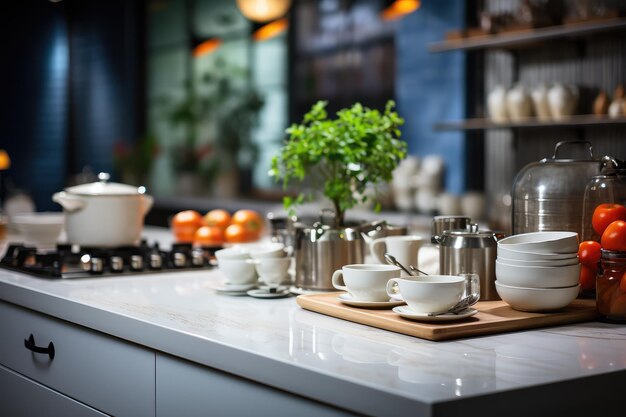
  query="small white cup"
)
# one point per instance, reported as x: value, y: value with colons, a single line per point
x: 365, y: 282
x: 237, y: 271
x: 404, y: 248
x: 272, y: 271
x: 429, y: 294
x: 269, y: 250
x: 231, y: 253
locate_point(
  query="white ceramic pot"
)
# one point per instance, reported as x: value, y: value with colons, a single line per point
x: 104, y: 214
x: 518, y: 104
x: 541, y: 105
x: 563, y: 99
x: 496, y: 104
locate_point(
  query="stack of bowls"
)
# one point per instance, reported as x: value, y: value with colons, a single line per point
x: 538, y: 271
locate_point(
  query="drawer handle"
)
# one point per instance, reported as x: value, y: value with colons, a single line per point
x: 30, y: 345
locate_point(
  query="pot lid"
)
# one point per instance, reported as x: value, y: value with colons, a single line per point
x: 104, y: 187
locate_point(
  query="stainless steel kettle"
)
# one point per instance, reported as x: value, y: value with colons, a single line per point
x: 321, y: 249
x: 469, y: 251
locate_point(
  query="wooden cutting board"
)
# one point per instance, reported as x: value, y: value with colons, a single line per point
x: 492, y: 317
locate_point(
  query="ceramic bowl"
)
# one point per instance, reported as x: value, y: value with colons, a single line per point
x: 508, y: 253
x: 553, y: 262
x: 542, y: 242
x: 537, y: 276
x: 39, y: 228
x: 537, y: 299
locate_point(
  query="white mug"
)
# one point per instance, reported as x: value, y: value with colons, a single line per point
x: 433, y: 293
x: 365, y: 282
x: 404, y: 248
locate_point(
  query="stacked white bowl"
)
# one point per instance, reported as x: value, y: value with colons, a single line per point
x: 538, y: 271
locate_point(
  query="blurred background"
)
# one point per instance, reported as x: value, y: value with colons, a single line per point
x: 191, y: 98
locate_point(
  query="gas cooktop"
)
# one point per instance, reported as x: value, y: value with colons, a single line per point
x: 70, y: 261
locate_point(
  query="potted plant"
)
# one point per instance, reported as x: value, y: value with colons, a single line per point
x: 341, y: 157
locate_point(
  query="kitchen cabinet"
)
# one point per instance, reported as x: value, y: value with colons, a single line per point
x: 202, y: 391
x: 103, y: 372
x: 21, y: 396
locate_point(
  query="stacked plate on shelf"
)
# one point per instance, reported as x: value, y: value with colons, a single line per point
x: 538, y: 271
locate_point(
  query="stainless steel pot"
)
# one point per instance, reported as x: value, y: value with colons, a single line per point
x: 470, y: 252
x: 321, y: 249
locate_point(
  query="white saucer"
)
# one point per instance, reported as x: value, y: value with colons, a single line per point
x: 407, y: 313
x: 234, y: 289
x: 301, y: 291
x: 349, y: 300
x: 264, y: 293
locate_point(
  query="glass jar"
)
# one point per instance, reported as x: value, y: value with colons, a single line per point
x: 611, y: 286
x: 602, y: 189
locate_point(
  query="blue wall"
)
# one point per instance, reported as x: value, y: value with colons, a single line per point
x: 430, y: 87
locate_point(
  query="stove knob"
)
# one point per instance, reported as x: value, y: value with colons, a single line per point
x: 197, y: 258
x: 156, y: 261
x: 85, y: 262
x: 180, y: 260
x: 97, y: 265
x: 136, y: 262
x: 117, y: 263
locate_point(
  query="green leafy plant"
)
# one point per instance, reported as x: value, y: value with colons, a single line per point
x: 341, y: 156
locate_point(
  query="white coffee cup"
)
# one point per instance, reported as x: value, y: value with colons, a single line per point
x: 404, y: 248
x: 268, y: 250
x: 432, y: 293
x: 272, y: 271
x: 231, y: 253
x: 365, y: 282
x: 237, y: 271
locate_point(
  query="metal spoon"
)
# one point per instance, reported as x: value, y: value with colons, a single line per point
x: 414, y: 269
x: 393, y: 261
x: 463, y: 304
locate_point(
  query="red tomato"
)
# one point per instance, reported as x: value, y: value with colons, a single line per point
x: 587, y: 277
x: 236, y: 233
x: 185, y: 224
x: 589, y: 253
x: 217, y: 217
x: 250, y: 220
x: 622, y: 284
x: 208, y: 236
x: 614, y: 237
x: 606, y: 214
x: 618, y: 304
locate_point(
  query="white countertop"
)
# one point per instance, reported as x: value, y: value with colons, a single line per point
x: 349, y: 365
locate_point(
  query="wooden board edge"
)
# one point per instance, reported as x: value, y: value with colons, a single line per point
x: 436, y: 334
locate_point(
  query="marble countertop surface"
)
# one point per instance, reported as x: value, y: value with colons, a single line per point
x: 352, y: 366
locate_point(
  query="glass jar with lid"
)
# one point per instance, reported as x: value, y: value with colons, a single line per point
x: 611, y: 286
x: 607, y: 188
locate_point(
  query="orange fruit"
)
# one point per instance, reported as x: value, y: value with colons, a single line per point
x: 236, y: 233
x: 250, y: 220
x: 184, y: 225
x: 218, y: 217
x: 208, y: 235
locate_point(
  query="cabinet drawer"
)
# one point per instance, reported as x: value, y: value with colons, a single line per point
x: 108, y: 374
x: 23, y: 397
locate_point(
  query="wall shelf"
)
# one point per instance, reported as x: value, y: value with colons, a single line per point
x: 571, y: 121
x: 514, y: 39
